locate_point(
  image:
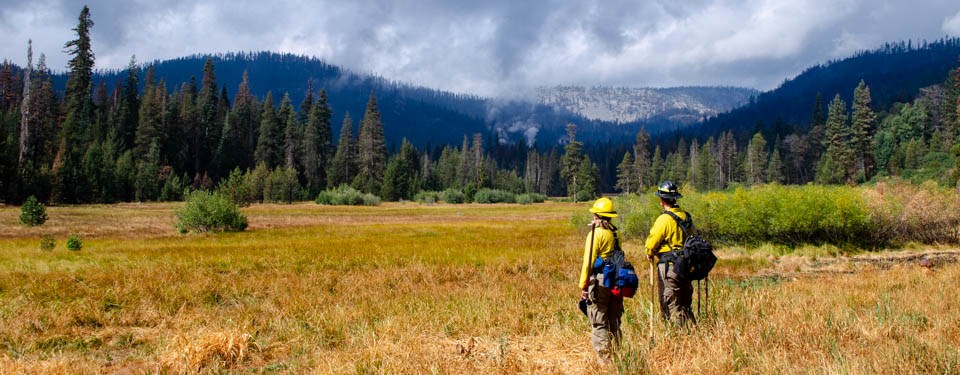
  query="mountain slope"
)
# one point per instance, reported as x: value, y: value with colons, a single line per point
x: 894, y: 73
x: 684, y: 105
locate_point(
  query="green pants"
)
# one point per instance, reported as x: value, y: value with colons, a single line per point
x: 604, y: 314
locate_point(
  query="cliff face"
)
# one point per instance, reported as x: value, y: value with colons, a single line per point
x: 620, y: 104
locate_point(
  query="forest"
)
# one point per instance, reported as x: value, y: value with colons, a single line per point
x: 135, y: 140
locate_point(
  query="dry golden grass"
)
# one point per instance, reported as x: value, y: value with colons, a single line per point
x: 405, y: 288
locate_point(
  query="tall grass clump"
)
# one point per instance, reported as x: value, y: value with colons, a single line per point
x: 494, y: 196
x: 32, y: 213
x: 924, y: 213
x: 210, y: 212
x: 344, y: 195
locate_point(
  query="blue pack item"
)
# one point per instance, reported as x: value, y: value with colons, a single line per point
x: 618, y: 274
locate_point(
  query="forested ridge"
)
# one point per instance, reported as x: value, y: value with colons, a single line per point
x: 151, y: 132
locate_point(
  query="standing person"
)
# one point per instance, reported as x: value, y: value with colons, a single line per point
x: 664, y: 241
x: 603, y: 308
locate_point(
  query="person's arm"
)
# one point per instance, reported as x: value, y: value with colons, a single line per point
x: 588, y: 258
x: 655, y: 238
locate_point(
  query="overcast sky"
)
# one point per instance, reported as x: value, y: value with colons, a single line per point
x: 494, y: 47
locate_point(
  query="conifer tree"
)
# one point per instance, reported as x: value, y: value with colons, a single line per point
x: 863, y: 130
x: 775, y: 167
x: 292, y: 134
x: 343, y: 166
x: 656, y: 165
x: 151, y: 126
x: 69, y: 184
x: 641, y: 167
x: 757, y: 161
x: 837, y: 158
x: 571, y: 162
x: 317, y: 144
x: 625, y: 178
x: 210, y: 123
x: 706, y: 168
x: 371, y: 150
x: 237, y: 140
x: 399, y: 181
x: 129, y: 111
x: 268, y: 146
x: 693, y: 168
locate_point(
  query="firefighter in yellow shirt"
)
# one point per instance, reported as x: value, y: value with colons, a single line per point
x: 664, y: 240
x: 603, y: 308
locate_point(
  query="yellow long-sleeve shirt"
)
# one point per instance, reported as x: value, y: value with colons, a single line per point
x: 601, y: 244
x: 665, y: 233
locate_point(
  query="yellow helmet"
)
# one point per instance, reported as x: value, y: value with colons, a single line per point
x: 603, y: 207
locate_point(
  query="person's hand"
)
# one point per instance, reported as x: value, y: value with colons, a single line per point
x: 584, y: 294
x: 650, y: 258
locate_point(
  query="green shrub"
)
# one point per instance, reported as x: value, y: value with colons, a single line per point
x: 210, y: 212
x: 282, y: 186
x: 531, y: 198
x: 32, y: 213
x: 47, y: 242
x: 74, y: 243
x: 494, y: 196
x: 428, y: 197
x: 453, y: 196
x: 788, y: 215
x: 236, y: 189
x: 344, y: 195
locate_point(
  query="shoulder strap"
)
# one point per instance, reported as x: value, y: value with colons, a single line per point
x: 684, y: 225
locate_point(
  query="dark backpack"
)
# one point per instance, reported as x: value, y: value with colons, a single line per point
x: 695, y: 259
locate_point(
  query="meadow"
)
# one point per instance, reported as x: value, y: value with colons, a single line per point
x: 449, y: 289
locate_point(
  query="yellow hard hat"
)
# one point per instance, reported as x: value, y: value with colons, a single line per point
x: 603, y: 207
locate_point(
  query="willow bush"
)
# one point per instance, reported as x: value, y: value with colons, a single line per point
x: 888, y: 214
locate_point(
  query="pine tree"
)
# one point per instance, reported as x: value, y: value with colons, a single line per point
x: 775, y: 167
x: 399, y: 181
x: 343, y: 166
x: 371, y: 150
x: 641, y: 167
x: 268, y: 148
x: 151, y: 127
x: 656, y: 165
x: 571, y: 163
x: 862, y: 132
x: 625, y: 178
x: 317, y: 144
x: 236, y: 148
x: 210, y: 123
x: 69, y: 184
x: 838, y: 156
x: 693, y: 169
x: 707, y: 169
x: 757, y: 161
x: 26, y: 125
x: 818, y: 118
x: 292, y: 134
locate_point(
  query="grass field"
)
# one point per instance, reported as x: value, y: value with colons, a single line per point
x: 407, y: 288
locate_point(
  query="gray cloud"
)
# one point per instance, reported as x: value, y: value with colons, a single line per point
x: 495, y: 47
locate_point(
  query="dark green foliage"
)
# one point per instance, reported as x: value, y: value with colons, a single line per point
x: 494, y: 196
x: 282, y: 186
x: 371, y: 150
x: 343, y: 167
x: 74, y: 243
x: 428, y: 197
x: 453, y: 196
x: 400, y: 180
x: 209, y: 212
x: 235, y: 188
x: 344, y: 195
x: 268, y: 146
x: 32, y: 213
x: 47, y: 242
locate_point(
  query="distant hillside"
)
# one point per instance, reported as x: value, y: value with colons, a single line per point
x: 683, y: 105
x: 894, y: 73
x: 419, y: 114
x: 424, y: 116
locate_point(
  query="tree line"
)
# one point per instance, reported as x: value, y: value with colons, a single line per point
x: 94, y: 144
x: 917, y: 141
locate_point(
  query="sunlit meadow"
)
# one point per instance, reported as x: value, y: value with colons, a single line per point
x: 410, y: 288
